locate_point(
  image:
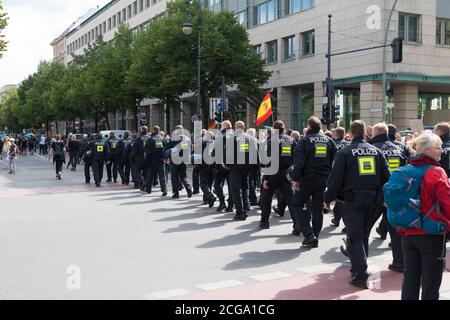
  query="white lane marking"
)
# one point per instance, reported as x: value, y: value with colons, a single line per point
x: 219, y: 285
x: 270, y: 276
x: 321, y: 268
x: 165, y: 294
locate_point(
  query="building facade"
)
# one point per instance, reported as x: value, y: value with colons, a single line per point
x: 292, y: 37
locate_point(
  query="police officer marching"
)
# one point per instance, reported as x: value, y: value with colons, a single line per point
x: 102, y: 154
x: 154, y: 157
x: 279, y: 181
x: 116, y: 149
x: 87, y: 153
x: 137, y: 156
x: 358, y: 175
x: 315, y: 153
x: 124, y: 161
x: 206, y: 168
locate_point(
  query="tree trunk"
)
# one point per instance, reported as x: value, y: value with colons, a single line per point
x: 167, y: 107
x: 96, y: 123
x: 123, y: 121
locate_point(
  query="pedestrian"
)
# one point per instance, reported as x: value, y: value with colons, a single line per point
x: 42, y: 144
x: 154, y: 160
x: 442, y: 129
x: 358, y: 175
x: 59, y: 157
x: 87, y: 153
x: 73, y: 148
x: 12, y: 156
x: 102, y: 154
x: 116, y: 149
x: 138, y: 158
x: 424, y: 254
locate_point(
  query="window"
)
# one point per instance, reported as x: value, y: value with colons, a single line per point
x: 309, y: 43
x: 119, y: 18
x: 289, y: 48
x: 129, y: 12
x: 265, y: 12
x: 272, y: 52
x: 109, y: 24
x: 241, y: 17
x: 147, y: 3
x: 124, y: 15
x: 141, y: 5
x: 135, y: 8
x: 114, y: 21
x: 408, y: 27
x: 443, y: 32
x: 104, y: 27
x: 257, y: 49
x: 293, y: 6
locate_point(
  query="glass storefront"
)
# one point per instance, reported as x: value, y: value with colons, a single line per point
x: 432, y: 101
x: 349, y: 101
x: 302, y: 106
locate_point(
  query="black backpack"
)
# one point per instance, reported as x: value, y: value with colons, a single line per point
x: 58, y: 152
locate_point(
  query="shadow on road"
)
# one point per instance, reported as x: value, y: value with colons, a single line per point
x: 257, y: 259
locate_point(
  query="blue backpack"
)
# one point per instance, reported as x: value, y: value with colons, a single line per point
x: 402, y: 198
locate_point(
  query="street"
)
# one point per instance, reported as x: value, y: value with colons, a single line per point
x: 124, y: 244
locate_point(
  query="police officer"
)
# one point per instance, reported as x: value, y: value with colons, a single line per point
x: 179, y: 144
x: 129, y: 154
x: 154, y: 157
x: 206, y: 168
x: 396, y: 158
x: 137, y: 156
x: 221, y: 170
x: 339, y: 134
x: 358, y: 175
x: 315, y: 154
x: 245, y: 152
x: 442, y: 129
x: 392, y: 130
x: 124, y: 161
x: 279, y: 181
x: 116, y: 148
x: 88, y: 157
x: 254, y: 173
x: 102, y: 154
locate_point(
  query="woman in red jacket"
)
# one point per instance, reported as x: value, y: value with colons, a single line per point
x: 423, y: 252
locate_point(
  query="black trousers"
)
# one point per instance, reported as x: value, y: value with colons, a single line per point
x: 383, y: 226
x: 357, y: 217
x: 112, y: 169
x: 313, y: 189
x: 222, y: 176
x: 139, y: 171
x: 124, y: 171
x: 282, y: 203
x: 239, y: 188
x: 155, y: 168
x: 178, y: 176
x: 253, y: 178
x: 280, y: 184
x: 73, y: 160
x: 205, y: 173
x: 338, y: 211
x: 97, y: 168
x: 422, y: 266
x: 58, y: 166
x: 87, y: 173
x: 196, y: 178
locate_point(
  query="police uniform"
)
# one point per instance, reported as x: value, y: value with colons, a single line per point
x: 124, y: 160
x: 222, y: 172
x: 181, y: 145
x: 137, y: 156
x: 396, y: 158
x: 279, y: 181
x: 206, y: 170
x: 116, y: 149
x: 101, y: 154
x: 245, y: 153
x: 358, y: 175
x: 88, y: 157
x: 315, y: 153
x: 445, y: 158
x: 154, y: 157
x: 339, y: 205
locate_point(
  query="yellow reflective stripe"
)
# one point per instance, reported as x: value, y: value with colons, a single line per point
x: 394, y: 164
x: 99, y: 148
x: 366, y: 166
x: 286, y: 150
x: 184, y: 145
x: 158, y: 144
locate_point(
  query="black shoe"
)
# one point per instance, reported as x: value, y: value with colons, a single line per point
x: 109, y: 180
x: 296, y: 232
x: 390, y: 245
x: 254, y: 203
x: 115, y: 180
x: 310, y: 241
x: 222, y: 206
x: 343, y: 251
x: 189, y: 192
x: 382, y: 235
x: 87, y: 182
x: 359, y: 282
x: 335, y: 222
x: 276, y: 209
x: 264, y: 225
x: 176, y: 196
x: 149, y: 191
x: 229, y: 208
x: 396, y: 267
x: 246, y: 208
x: 344, y: 230
x: 240, y: 216
x: 97, y: 185
x: 211, y: 202
x: 164, y: 194
x: 195, y: 192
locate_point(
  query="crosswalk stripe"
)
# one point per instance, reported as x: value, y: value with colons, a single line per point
x: 270, y: 276
x: 165, y: 294
x: 219, y: 285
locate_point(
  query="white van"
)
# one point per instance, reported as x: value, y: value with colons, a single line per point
x: 117, y: 133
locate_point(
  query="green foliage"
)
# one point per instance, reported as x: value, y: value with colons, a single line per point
x: 3, y: 23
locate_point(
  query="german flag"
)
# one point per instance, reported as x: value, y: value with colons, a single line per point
x: 265, y: 110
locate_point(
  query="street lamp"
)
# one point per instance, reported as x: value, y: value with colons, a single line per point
x: 187, y: 29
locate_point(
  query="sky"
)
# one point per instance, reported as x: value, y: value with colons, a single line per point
x: 32, y: 26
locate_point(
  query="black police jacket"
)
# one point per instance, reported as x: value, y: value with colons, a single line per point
x: 341, y: 144
x: 286, y: 150
x: 137, y: 151
x: 179, y: 144
x: 405, y: 149
x: 244, y: 150
x: 123, y: 144
x: 116, y: 147
x: 101, y: 150
x: 445, y: 158
x: 393, y: 153
x: 154, y: 149
x: 315, y: 154
x: 359, y: 167
x: 87, y: 151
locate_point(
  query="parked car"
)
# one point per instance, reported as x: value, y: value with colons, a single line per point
x: 117, y: 133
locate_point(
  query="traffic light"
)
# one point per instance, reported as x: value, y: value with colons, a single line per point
x: 325, y: 113
x: 218, y: 117
x: 397, y: 50
x: 336, y: 113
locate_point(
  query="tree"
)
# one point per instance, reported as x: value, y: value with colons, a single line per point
x: 164, y: 64
x: 3, y: 23
x: 9, y: 111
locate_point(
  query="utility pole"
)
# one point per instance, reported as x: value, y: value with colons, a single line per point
x: 329, y: 81
x: 224, y: 98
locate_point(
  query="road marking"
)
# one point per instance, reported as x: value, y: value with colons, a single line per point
x: 165, y: 294
x: 270, y: 276
x: 321, y: 268
x: 219, y: 285
x: 444, y: 295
